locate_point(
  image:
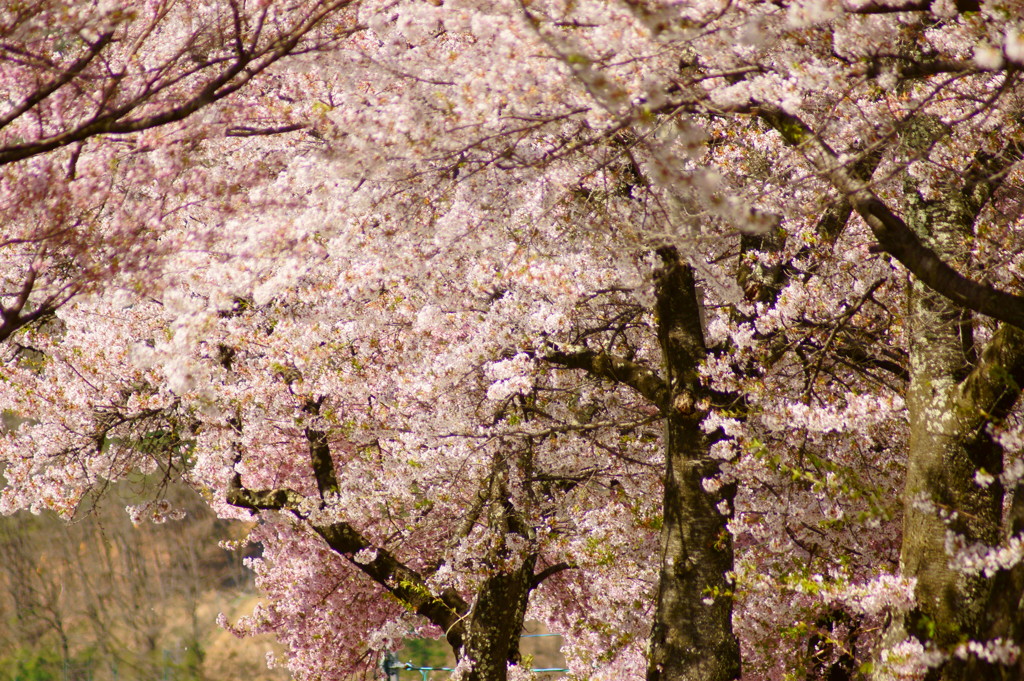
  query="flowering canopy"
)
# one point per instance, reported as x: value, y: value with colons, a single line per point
x: 688, y: 328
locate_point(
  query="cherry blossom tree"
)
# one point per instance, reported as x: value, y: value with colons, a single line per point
x: 103, y: 103
x: 690, y: 329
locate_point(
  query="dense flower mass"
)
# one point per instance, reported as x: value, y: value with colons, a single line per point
x: 691, y: 329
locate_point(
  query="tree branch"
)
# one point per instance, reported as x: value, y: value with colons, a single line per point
x: 882, y: 7
x: 248, y: 131
x: 446, y: 610
x: 894, y: 236
x: 988, y: 171
x: 603, y: 365
x: 320, y: 453
x: 60, y: 81
x: 549, y: 571
x: 12, y: 319
x: 899, y: 241
x: 245, y: 66
x: 907, y: 68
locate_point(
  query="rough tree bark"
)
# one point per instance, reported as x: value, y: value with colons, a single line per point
x: 942, y: 459
x: 495, y: 622
x: 955, y: 395
x: 692, y: 637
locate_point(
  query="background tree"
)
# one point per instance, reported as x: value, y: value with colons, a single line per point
x: 102, y: 598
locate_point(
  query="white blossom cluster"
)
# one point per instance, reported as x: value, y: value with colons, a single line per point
x: 860, y: 411
x: 510, y: 376
x: 157, y: 512
x: 979, y: 558
x: 994, y: 651
x: 908, y: 660
x: 884, y: 593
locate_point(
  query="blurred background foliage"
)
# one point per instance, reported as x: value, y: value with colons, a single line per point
x: 98, y: 598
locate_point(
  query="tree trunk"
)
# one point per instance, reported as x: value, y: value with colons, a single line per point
x: 948, y: 445
x: 491, y: 640
x: 1005, y: 614
x: 692, y: 637
x: 488, y: 635
x: 941, y: 467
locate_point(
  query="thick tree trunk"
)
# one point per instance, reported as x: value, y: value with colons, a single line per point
x: 1005, y: 614
x: 692, y: 637
x: 940, y: 492
x: 488, y: 635
x: 948, y: 445
x: 491, y: 639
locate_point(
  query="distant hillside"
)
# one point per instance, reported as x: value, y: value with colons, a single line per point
x: 99, y: 599
x: 102, y: 600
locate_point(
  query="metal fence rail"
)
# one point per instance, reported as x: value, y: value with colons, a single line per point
x: 391, y: 666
